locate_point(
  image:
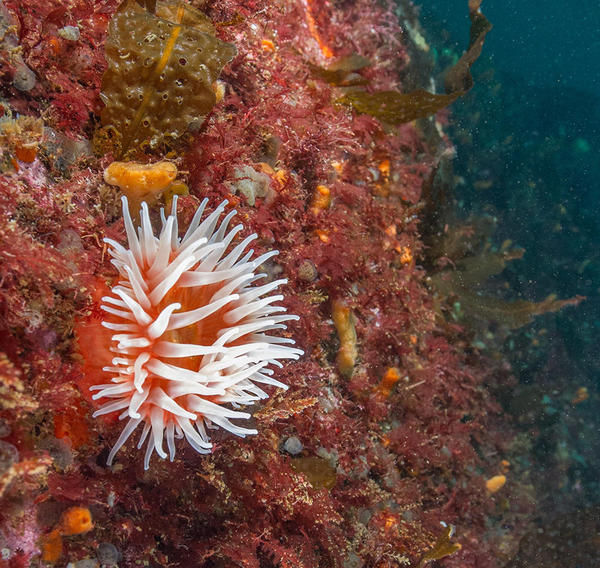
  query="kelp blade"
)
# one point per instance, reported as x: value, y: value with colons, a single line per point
x: 397, y: 108
x: 159, y: 81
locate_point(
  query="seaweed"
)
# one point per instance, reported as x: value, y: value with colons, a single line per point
x: 443, y: 547
x: 512, y: 313
x: 343, y: 71
x: 396, y: 108
x: 472, y: 269
x: 159, y: 81
x: 458, y: 78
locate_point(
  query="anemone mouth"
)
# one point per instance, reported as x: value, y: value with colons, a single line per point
x: 190, y: 327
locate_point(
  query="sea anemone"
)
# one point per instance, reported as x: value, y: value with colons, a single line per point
x: 190, y: 331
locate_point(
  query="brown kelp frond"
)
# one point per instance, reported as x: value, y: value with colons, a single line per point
x: 467, y: 260
x: 458, y: 78
x: 395, y: 108
x: 343, y: 71
x: 510, y: 313
x: 160, y: 76
x: 443, y: 547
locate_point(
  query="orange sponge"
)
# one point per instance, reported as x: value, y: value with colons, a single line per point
x: 76, y: 520
x: 141, y: 180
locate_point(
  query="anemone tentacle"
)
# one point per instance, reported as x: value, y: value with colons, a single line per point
x: 190, y: 339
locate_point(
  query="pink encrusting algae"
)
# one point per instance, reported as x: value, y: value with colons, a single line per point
x: 190, y: 331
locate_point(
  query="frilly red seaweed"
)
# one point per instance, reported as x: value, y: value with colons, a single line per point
x: 391, y: 464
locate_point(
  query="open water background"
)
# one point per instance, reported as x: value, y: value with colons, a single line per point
x: 528, y: 153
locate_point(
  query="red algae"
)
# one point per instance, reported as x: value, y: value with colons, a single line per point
x: 403, y: 437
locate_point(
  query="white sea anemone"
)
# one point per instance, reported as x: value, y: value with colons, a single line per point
x: 190, y: 327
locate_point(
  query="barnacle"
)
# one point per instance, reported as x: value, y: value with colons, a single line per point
x: 160, y: 76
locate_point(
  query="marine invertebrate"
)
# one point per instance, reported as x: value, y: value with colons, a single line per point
x: 343, y: 319
x: 73, y: 521
x: 21, y: 137
x: 388, y: 382
x: 321, y: 199
x: 141, y: 180
x: 144, y: 182
x: 190, y: 331
x: 495, y: 483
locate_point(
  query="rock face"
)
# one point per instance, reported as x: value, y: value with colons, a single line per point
x: 399, y: 439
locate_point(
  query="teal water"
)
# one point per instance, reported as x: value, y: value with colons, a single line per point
x: 528, y: 154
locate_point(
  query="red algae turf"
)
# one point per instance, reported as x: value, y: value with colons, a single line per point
x: 396, y: 465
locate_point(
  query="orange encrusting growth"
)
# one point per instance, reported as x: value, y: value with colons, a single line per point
x: 314, y: 32
x: 267, y: 45
x: 141, y: 181
x: 323, y: 235
x: 321, y: 199
x: 73, y: 521
x: 76, y: 520
x: 26, y: 153
x: 406, y: 256
x: 495, y: 483
x: 384, y: 169
x: 52, y: 546
x: 344, y: 324
x: 389, y: 380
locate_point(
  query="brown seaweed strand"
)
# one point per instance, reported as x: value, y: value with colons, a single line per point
x: 148, y: 91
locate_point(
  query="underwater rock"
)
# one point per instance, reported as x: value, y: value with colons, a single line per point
x: 8, y: 456
x: 292, y: 446
x: 108, y: 554
x: 24, y: 79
